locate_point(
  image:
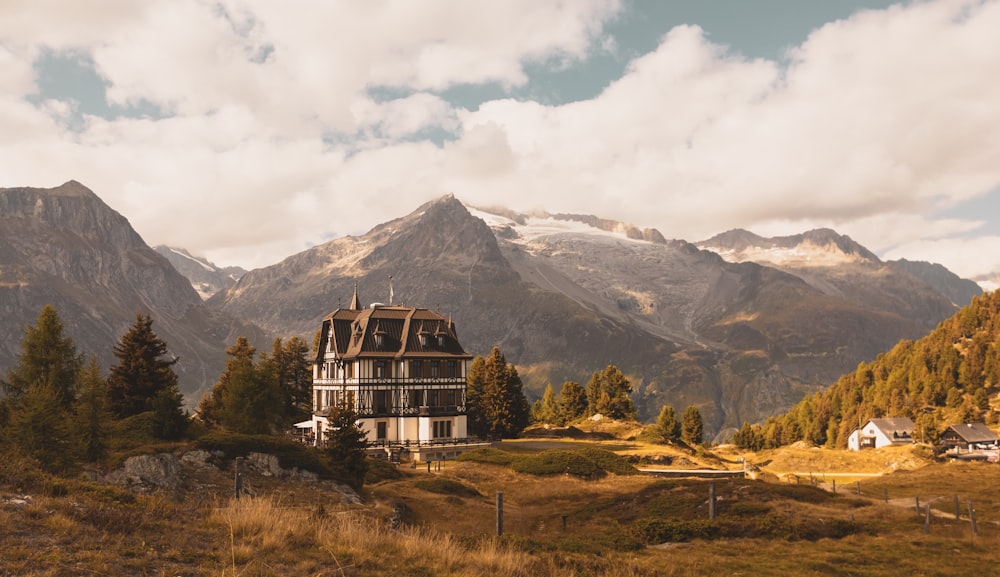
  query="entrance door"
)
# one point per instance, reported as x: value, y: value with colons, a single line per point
x: 381, y: 431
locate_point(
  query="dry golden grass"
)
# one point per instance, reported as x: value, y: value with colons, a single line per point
x: 77, y: 528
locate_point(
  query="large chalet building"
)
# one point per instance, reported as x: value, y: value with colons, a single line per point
x: 402, y: 369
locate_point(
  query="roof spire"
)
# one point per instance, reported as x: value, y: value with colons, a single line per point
x: 355, y: 303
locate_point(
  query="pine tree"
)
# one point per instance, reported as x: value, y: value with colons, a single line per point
x: 40, y: 427
x: 293, y: 375
x: 609, y: 394
x: 142, y: 372
x: 546, y: 409
x: 669, y: 426
x: 49, y: 357
x: 92, y: 411
x: 749, y: 437
x: 692, y: 428
x: 247, y: 398
x: 345, y: 445
x: 496, y: 405
x: 572, y: 401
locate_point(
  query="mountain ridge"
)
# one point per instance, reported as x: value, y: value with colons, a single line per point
x: 65, y: 247
x: 565, y: 295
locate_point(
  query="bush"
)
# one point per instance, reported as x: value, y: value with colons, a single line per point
x: 290, y: 454
x: 653, y: 531
x: 583, y: 462
x: 489, y: 456
x: 446, y: 487
x: 556, y: 462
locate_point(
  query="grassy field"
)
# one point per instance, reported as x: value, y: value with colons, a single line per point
x: 443, y: 523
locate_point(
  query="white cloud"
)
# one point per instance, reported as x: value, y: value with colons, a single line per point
x: 272, y: 130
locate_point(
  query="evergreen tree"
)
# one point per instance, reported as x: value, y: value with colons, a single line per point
x: 247, y: 398
x: 293, y: 375
x: 692, y: 427
x: 142, y: 372
x: 669, y: 426
x: 572, y: 401
x: 546, y: 409
x: 92, y: 411
x: 47, y: 357
x: 609, y: 394
x: 345, y: 445
x: 170, y: 420
x: 39, y: 426
x: 749, y: 437
x: 496, y: 405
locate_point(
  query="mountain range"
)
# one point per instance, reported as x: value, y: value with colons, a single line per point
x: 739, y: 325
x: 65, y: 247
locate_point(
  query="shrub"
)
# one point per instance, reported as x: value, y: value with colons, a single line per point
x: 289, y: 453
x: 653, y: 531
x: 446, y: 487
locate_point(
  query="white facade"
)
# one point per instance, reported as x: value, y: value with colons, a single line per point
x: 878, y: 433
x: 401, y: 369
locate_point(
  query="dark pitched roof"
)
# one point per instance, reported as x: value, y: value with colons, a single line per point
x: 391, y: 332
x: 973, y: 433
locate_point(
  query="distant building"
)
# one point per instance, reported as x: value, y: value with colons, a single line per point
x: 878, y: 433
x: 969, y: 437
x: 402, y: 369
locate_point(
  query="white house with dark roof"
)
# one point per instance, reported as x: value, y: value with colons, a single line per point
x: 878, y: 433
x: 402, y: 369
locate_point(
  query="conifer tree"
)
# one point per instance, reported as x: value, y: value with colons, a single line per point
x: 572, y: 401
x: 345, y: 445
x: 669, y: 426
x: 609, y: 394
x: 247, y: 398
x: 48, y: 357
x: 142, y: 371
x: 92, y: 411
x: 546, y: 409
x: 293, y: 375
x: 496, y: 405
x: 692, y: 428
x: 40, y: 427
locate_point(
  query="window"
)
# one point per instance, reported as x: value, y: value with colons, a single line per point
x: 416, y: 369
x: 442, y: 429
x: 416, y: 398
x: 382, y: 400
x: 452, y: 369
x: 381, y: 369
x: 435, y: 369
x: 349, y: 370
x: 381, y: 430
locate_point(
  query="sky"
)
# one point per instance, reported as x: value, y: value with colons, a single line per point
x: 249, y: 130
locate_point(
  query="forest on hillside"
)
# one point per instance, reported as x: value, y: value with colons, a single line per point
x: 945, y: 378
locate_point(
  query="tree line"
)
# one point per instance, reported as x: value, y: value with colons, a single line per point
x: 944, y: 378
x: 609, y: 393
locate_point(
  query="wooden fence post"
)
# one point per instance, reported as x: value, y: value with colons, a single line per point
x: 927, y: 518
x: 972, y: 518
x: 958, y: 514
x: 918, y: 504
x: 238, y: 480
x: 859, y: 488
x: 499, y: 513
x: 711, y: 501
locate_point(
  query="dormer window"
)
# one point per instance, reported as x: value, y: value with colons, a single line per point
x: 379, y: 335
x: 423, y: 335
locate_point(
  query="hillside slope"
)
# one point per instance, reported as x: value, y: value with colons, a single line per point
x: 64, y: 247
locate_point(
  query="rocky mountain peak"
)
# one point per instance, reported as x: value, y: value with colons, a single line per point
x: 821, y: 247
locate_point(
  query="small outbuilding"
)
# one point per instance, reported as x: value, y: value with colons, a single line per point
x: 878, y: 433
x: 969, y: 437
